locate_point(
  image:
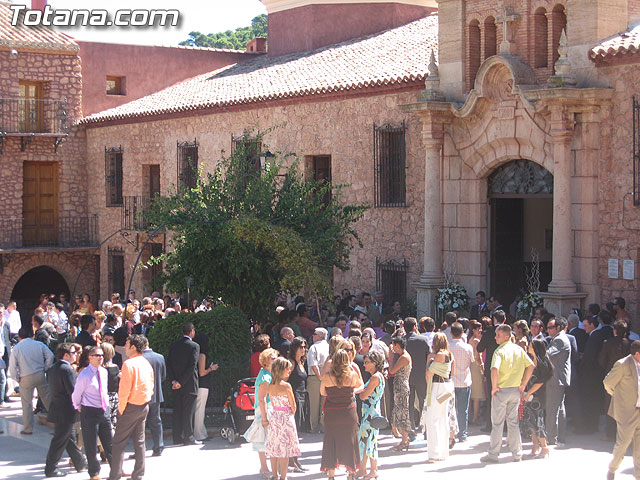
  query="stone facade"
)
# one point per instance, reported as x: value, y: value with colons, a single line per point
x: 341, y: 128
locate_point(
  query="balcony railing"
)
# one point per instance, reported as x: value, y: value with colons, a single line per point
x: 61, y: 232
x: 30, y: 115
x: 134, y: 209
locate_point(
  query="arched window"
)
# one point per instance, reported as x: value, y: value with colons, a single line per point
x: 558, y: 23
x: 490, y: 38
x: 474, y: 51
x: 540, y: 38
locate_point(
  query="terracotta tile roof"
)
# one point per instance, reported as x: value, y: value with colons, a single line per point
x: 396, y: 56
x: 38, y: 37
x: 620, y: 44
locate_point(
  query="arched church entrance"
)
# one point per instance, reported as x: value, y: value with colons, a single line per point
x: 36, y: 281
x: 521, y: 226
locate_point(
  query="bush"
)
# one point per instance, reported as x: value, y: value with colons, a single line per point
x: 229, y: 335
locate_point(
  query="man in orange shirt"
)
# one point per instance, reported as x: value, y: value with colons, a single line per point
x: 134, y: 395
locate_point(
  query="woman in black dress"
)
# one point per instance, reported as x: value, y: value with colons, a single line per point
x: 534, y: 399
x: 298, y: 381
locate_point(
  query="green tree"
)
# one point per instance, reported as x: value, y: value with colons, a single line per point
x: 247, y: 233
x: 236, y: 39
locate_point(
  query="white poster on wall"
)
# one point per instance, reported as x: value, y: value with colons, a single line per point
x: 613, y: 268
x: 628, y: 270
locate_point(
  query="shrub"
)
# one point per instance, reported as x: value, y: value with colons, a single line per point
x: 229, y: 345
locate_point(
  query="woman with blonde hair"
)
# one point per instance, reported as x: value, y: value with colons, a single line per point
x: 333, y: 346
x: 282, y: 435
x: 439, y: 392
x: 340, y: 445
x: 113, y: 381
x: 262, y: 403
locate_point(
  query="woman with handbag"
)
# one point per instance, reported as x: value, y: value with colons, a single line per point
x: 256, y: 434
x: 439, y: 391
x: 370, y: 396
x: 298, y: 381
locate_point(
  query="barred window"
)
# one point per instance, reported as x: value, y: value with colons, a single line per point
x: 113, y: 175
x: 636, y: 151
x: 391, y: 279
x: 188, y: 164
x: 250, y: 148
x: 116, y: 271
x: 390, y: 183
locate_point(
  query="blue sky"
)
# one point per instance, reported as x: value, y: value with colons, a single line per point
x: 205, y: 16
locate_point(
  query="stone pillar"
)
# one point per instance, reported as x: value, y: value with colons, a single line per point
x: 432, y: 277
x: 562, y: 134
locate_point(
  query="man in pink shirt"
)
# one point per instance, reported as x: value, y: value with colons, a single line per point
x: 461, y: 374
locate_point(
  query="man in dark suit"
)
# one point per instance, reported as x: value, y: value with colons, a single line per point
x: 62, y: 379
x: 287, y: 335
x: 88, y: 326
x: 560, y: 355
x: 153, y: 417
x: 592, y: 374
x: 488, y: 343
x: 182, y: 365
x: 480, y: 309
x: 579, y: 333
x: 418, y: 348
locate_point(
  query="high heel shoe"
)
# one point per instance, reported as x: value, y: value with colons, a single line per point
x: 402, y: 446
x: 543, y: 454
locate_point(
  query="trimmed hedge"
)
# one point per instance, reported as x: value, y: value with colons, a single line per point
x: 229, y: 335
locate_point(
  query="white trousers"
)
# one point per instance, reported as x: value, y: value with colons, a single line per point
x: 199, y: 430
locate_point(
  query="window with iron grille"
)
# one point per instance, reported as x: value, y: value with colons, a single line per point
x: 391, y: 279
x: 113, y: 175
x: 390, y: 182
x: 188, y: 164
x: 116, y: 271
x: 636, y: 151
x: 250, y: 148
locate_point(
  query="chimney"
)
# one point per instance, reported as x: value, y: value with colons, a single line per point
x: 257, y: 45
x: 38, y: 5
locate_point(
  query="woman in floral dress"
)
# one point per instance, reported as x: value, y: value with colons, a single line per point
x: 370, y: 396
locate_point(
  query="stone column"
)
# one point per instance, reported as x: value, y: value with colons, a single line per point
x: 562, y: 134
x: 432, y: 277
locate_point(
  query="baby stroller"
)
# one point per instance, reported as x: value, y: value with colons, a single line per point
x: 239, y: 409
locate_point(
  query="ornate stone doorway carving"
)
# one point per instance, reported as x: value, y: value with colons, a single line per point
x: 521, y: 219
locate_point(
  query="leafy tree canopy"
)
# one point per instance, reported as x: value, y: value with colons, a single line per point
x: 247, y: 233
x: 236, y: 39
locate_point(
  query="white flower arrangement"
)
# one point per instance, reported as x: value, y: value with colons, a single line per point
x: 452, y: 297
x: 527, y: 306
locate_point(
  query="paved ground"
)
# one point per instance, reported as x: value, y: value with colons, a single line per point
x: 584, y: 458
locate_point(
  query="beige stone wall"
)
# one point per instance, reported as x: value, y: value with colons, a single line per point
x: 340, y: 128
x: 619, y: 225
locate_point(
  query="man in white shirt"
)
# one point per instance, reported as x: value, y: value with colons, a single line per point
x: 316, y: 357
x: 12, y: 317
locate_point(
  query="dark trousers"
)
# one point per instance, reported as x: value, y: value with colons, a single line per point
x: 64, y: 437
x: 417, y: 393
x: 155, y: 425
x: 95, y: 422
x: 184, y: 408
x: 130, y: 425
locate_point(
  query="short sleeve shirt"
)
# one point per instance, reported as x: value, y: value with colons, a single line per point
x: 511, y: 362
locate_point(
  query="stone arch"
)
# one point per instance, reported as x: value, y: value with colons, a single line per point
x: 29, y: 262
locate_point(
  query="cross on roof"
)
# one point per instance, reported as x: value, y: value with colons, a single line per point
x: 508, y: 17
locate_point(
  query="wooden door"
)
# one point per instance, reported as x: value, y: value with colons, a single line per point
x: 40, y: 204
x: 30, y: 108
x: 154, y: 180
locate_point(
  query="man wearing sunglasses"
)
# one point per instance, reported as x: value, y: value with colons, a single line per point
x: 90, y: 397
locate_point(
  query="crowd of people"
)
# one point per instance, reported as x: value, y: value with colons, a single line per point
x: 368, y: 367
x: 348, y: 370
x: 99, y: 382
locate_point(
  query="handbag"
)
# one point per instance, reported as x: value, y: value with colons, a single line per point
x: 379, y: 422
x: 256, y: 433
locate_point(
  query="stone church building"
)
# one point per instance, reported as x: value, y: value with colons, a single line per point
x: 479, y: 131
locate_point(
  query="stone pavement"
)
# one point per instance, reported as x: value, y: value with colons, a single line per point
x: 584, y: 458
